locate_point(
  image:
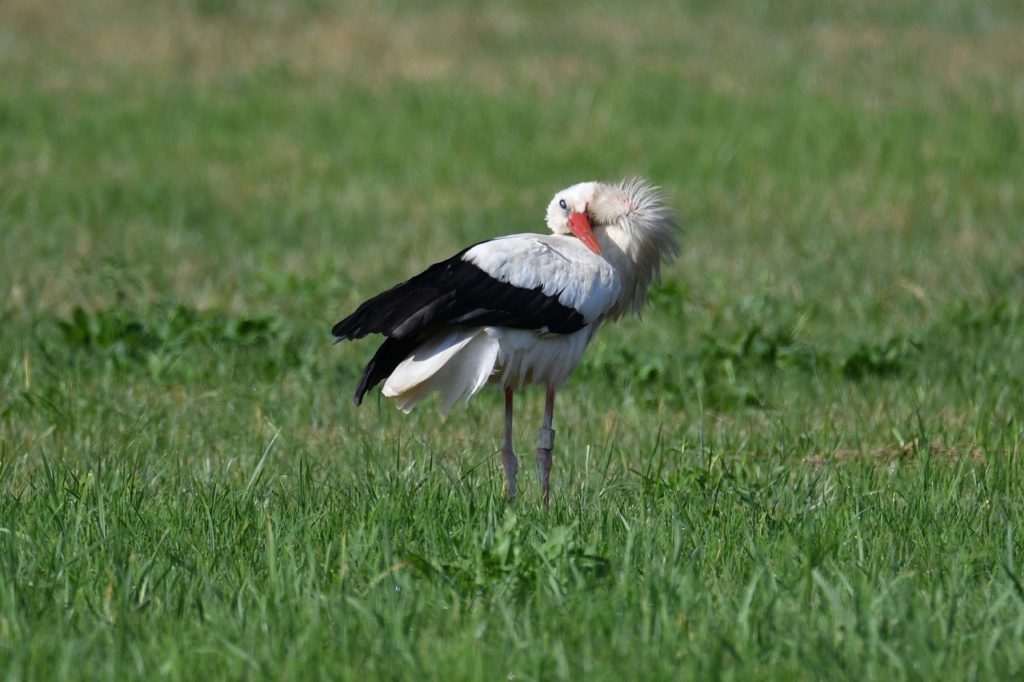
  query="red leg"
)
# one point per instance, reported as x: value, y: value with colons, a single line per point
x: 508, y: 455
x: 545, y: 444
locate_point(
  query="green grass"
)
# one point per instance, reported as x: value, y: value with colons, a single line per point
x: 805, y: 462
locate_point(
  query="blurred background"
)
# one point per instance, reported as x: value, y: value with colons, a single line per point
x: 848, y: 176
x: 863, y: 157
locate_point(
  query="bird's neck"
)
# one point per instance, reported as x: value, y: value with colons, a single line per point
x: 637, y: 264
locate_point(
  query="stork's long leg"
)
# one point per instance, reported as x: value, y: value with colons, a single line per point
x: 508, y: 455
x: 545, y: 444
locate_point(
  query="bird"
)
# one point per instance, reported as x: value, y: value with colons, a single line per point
x: 520, y: 309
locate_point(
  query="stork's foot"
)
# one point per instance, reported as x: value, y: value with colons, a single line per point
x: 511, y: 465
x: 545, y: 445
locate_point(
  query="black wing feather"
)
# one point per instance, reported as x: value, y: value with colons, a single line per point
x: 388, y: 356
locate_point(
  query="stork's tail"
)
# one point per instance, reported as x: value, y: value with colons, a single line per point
x: 456, y: 364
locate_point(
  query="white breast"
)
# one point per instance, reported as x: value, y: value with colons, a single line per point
x: 526, y: 357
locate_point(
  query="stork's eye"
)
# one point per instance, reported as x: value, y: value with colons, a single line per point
x: 561, y: 202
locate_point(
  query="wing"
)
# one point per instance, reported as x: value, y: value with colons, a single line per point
x: 461, y: 292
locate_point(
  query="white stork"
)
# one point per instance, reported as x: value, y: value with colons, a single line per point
x: 520, y: 309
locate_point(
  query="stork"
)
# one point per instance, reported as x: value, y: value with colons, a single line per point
x: 520, y: 309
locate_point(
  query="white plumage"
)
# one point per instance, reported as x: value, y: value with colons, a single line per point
x: 460, y: 363
x: 561, y: 265
x: 521, y: 309
x: 456, y: 363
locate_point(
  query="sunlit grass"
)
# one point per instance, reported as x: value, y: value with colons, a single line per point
x: 805, y: 462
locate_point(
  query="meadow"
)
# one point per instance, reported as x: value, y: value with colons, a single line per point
x: 804, y: 462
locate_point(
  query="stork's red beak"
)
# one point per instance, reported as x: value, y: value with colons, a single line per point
x: 580, y: 226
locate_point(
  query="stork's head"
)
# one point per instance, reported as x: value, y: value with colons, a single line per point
x: 569, y: 212
x: 634, y: 207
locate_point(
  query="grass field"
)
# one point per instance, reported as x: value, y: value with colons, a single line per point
x: 804, y: 463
